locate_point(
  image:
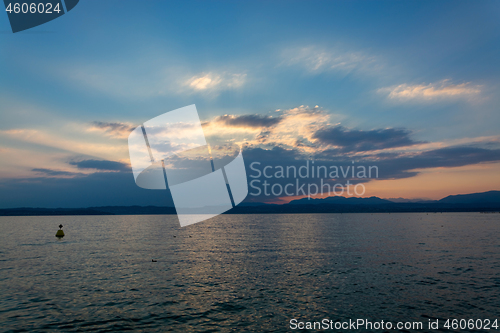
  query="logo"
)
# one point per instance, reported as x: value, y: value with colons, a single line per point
x: 171, y: 151
x: 28, y: 14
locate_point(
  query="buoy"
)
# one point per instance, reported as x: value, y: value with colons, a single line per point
x: 59, y: 232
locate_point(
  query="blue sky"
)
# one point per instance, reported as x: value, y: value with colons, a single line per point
x: 73, y: 87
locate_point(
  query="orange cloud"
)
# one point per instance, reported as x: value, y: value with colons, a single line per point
x: 441, y: 89
x: 116, y: 130
x: 214, y: 81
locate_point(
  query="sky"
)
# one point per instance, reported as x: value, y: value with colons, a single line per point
x: 412, y: 87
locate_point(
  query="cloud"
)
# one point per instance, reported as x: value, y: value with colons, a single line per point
x: 116, y: 130
x: 101, y: 165
x: 351, y: 140
x: 431, y: 91
x: 296, y: 127
x: 455, y: 156
x: 251, y: 120
x: 310, y: 131
x: 72, y: 140
x: 403, y: 166
x: 55, y: 173
x: 212, y: 81
x: 290, y: 128
x: 316, y: 59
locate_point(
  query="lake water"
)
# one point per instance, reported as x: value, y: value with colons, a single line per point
x: 246, y: 273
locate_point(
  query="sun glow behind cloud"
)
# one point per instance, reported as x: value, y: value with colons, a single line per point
x: 290, y: 128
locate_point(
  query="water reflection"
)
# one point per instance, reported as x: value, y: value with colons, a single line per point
x: 245, y: 272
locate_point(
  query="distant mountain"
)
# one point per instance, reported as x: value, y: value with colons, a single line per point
x: 484, y: 198
x: 490, y: 197
x: 107, y: 210
x: 135, y: 210
x: 421, y: 200
x: 51, y: 211
x: 474, y: 202
x: 340, y: 201
x: 252, y: 204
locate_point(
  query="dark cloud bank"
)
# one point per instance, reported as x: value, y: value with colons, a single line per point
x: 357, y: 140
x: 102, y: 165
x: 252, y: 120
x: 112, y: 183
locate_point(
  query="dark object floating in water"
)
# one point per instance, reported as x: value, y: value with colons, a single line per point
x: 174, y: 236
x: 152, y: 260
x: 60, y: 233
